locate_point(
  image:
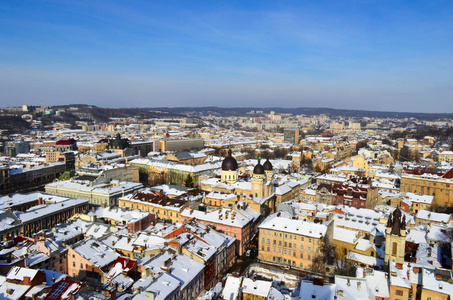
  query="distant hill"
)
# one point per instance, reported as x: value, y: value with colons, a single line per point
x: 305, y: 110
x: 104, y: 114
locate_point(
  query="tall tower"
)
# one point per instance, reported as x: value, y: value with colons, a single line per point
x: 258, y: 181
x: 229, y: 169
x: 269, y: 170
x: 395, y: 238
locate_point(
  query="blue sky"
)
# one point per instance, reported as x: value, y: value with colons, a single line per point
x: 373, y: 55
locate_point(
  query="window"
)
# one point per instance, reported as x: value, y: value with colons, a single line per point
x: 302, y: 239
x: 309, y: 249
x: 302, y: 255
x: 302, y: 248
x: 399, y: 292
x: 309, y: 240
x: 394, y: 248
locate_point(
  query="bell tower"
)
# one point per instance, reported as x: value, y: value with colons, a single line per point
x: 395, y: 238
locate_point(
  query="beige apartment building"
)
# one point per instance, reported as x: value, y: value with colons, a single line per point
x: 441, y: 187
x: 289, y: 242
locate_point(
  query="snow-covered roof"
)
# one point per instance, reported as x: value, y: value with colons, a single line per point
x: 416, y: 236
x: 19, y: 273
x: 96, y: 252
x: 353, y: 288
x: 433, y: 216
x: 365, y: 259
x: 309, y: 229
x: 376, y: 280
x: 231, y: 289
x: 326, y: 291
x: 182, y: 267
x: 430, y: 282
x: 256, y: 287
x: 425, y: 199
x: 40, y: 211
x: 163, y: 286
x: 222, y: 216
x: 345, y: 235
x: 398, y: 277
x: 12, y: 291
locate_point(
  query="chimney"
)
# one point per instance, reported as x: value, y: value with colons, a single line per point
x: 40, y: 201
